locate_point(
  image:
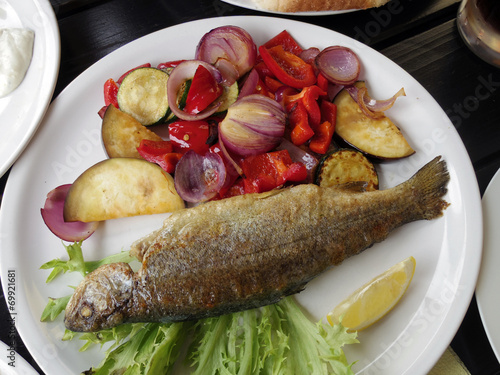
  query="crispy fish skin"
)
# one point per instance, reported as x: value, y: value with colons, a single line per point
x: 249, y: 251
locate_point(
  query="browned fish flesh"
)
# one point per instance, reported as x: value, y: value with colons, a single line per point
x: 249, y: 251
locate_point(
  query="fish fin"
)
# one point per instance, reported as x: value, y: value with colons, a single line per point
x: 429, y: 186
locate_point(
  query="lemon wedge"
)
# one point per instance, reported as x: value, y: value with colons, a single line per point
x: 375, y: 299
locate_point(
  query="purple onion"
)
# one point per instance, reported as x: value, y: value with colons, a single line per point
x: 52, y: 214
x: 253, y: 125
x: 230, y: 43
x: 339, y: 65
x: 199, y: 178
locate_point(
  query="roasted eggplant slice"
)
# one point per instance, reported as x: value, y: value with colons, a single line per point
x: 122, y: 134
x: 379, y: 137
x: 345, y: 166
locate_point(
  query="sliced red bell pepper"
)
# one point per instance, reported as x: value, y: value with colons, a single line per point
x: 263, y: 70
x: 287, y: 67
x: 120, y: 80
x: 309, y: 97
x: 203, y: 91
x: 328, y: 112
x: 189, y: 135
x: 169, y: 64
x: 238, y: 188
x: 287, y: 41
x: 272, y: 84
x: 159, y: 152
x: 267, y: 171
x: 110, y: 92
x: 156, y: 147
x: 322, y: 83
x: 322, y: 138
x: 262, y: 89
x: 299, y: 123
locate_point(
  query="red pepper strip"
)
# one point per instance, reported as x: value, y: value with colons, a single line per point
x: 203, y: 91
x: 153, y: 153
x: 322, y: 83
x: 272, y: 84
x: 299, y: 122
x: 169, y: 64
x: 288, y: 68
x: 309, y: 97
x: 267, y: 171
x: 262, y: 89
x: 156, y: 147
x: 189, y: 135
x: 263, y: 70
x: 169, y: 161
x: 120, y: 80
x: 328, y: 112
x: 287, y: 41
x: 322, y: 138
x: 238, y: 188
x: 110, y: 92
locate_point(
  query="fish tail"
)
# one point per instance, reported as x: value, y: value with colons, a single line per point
x: 428, y: 186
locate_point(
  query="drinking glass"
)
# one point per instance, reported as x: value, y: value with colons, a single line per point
x: 478, y: 22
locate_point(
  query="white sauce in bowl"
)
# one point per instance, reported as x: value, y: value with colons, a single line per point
x: 16, y: 50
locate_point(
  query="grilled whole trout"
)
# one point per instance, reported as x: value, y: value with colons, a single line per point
x: 249, y: 251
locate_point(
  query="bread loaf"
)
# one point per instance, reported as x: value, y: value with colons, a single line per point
x: 293, y: 6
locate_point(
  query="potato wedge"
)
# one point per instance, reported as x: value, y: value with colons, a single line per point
x: 122, y: 134
x: 380, y: 138
x: 121, y: 187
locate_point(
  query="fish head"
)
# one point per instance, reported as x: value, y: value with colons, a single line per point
x: 100, y: 299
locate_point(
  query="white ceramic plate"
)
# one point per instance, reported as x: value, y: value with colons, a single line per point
x: 249, y: 4
x: 488, y: 299
x: 447, y: 250
x: 22, y: 110
x: 11, y: 363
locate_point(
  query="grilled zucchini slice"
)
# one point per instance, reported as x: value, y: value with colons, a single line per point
x: 143, y: 95
x: 379, y: 138
x: 345, y: 166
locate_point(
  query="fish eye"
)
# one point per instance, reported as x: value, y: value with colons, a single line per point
x: 86, y: 312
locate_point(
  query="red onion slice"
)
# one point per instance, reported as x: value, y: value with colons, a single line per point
x: 250, y: 84
x: 231, y: 43
x: 52, y: 214
x: 339, y: 65
x: 372, y: 107
x: 253, y: 125
x: 199, y: 178
x: 180, y: 74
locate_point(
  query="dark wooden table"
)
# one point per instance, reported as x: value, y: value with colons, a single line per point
x: 419, y: 35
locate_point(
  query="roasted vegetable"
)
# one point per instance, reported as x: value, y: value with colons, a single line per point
x: 122, y: 134
x: 343, y: 166
x: 121, y: 187
x: 378, y: 137
x: 143, y: 95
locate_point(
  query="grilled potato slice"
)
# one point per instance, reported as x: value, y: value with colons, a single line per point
x: 122, y: 134
x: 121, y: 187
